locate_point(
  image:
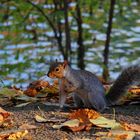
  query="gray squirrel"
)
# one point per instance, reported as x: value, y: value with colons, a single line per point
x: 88, y: 89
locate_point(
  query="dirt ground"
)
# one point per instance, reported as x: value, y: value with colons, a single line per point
x: 44, y: 131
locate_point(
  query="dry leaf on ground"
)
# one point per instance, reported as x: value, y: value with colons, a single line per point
x: 5, y: 121
x: 79, y: 120
x: 116, y: 135
x: 39, y: 118
x: 40, y: 86
x: 86, y: 118
x: 105, y: 123
x: 13, y: 135
x: 71, y: 125
x: 83, y: 115
x: 27, y: 126
x: 134, y: 127
x: 4, y: 113
x: 22, y: 104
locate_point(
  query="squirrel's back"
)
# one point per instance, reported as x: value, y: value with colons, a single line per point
x: 89, y: 80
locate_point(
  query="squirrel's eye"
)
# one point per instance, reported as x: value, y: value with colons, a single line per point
x: 57, y: 69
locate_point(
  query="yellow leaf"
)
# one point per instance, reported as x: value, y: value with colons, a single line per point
x: 40, y: 118
x: 70, y: 123
x: 105, y: 123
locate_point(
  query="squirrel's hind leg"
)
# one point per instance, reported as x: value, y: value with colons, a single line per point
x: 77, y: 100
x: 97, y: 101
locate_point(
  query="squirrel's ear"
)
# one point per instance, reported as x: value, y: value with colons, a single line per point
x: 65, y: 63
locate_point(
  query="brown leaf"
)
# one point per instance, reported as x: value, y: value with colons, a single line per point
x: 41, y: 86
x: 134, y: 127
x: 13, y: 135
x: 116, y: 135
x: 30, y: 92
x: 4, y: 120
x: 83, y: 115
x: 38, y: 84
x: 1, y: 119
x: 34, y: 87
x: 74, y: 129
x: 135, y: 90
x: 4, y: 113
x: 27, y: 126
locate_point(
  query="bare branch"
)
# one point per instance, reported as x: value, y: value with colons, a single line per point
x: 51, y: 25
x: 43, y: 13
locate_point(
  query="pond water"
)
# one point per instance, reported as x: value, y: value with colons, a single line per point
x: 24, y: 60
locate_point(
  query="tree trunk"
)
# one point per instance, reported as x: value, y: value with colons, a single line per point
x: 108, y: 33
x: 81, y: 48
x: 58, y: 35
x: 67, y: 30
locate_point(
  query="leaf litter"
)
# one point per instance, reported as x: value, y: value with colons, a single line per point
x: 79, y: 120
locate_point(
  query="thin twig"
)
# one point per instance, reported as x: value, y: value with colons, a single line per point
x: 42, y: 112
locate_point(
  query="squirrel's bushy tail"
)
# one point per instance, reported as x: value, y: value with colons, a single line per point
x: 130, y: 76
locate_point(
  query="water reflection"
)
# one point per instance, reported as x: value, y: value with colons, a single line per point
x: 25, y: 60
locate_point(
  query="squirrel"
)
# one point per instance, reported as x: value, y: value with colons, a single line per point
x: 88, y: 89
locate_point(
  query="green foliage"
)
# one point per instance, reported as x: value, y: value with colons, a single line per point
x: 23, y: 24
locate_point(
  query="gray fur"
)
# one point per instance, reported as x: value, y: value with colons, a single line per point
x: 130, y: 76
x: 89, y: 91
x: 87, y: 88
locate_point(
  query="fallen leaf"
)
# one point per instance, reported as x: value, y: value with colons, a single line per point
x: 134, y: 127
x: 41, y: 87
x: 116, y: 135
x: 73, y: 125
x: 83, y: 115
x: 31, y: 92
x: 70, y: 123
x: 40, y: 118
x: 18, y: 135
x: 5, y: 101
x: 79, y: 128
x: 4, y: 120
x: 22, y: 104
x: 135, y: 89
x: 26, y: 98
x: 4, y: 113
x: 105, y: 123
x: 13, y: 135
x: 6, y: 92
x: 27, y: 126
x: 39, y: 84
x: 84, y: 119
x: 1, y: 119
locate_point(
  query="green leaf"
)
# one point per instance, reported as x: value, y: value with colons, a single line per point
x: 40, y: 119
x: 26, y: 98
x: 7, y: 92
x: 22, y: 104
x: 105, y: 123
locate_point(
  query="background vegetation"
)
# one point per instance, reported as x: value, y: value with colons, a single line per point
x: 91, y: 34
